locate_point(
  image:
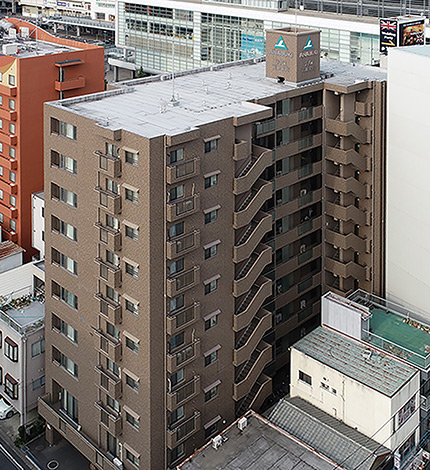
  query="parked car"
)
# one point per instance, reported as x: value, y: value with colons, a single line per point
x: 6, y: 409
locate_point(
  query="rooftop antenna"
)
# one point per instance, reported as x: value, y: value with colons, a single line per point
x: 173, y: 100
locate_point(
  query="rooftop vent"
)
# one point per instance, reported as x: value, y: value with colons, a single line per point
x: 217, y: 442
x: 242, y: 423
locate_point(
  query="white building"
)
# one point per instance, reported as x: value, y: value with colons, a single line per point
x: 38, y: 222
x: 408, y: 190
x: 10, y: 256
x: 22, y: 336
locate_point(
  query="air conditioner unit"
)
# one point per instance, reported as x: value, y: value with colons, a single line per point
x: 303, y: 192
x: 217, y: 442
x: 303, y: 304
x: 118, y: 464
x: 242, y: 423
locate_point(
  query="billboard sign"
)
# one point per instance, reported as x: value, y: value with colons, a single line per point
x: 387, y: 34
x: 412, y: 33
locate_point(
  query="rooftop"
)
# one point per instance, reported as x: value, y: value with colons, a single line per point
x: 376, y: 370
x: 261, y: 445
x: 327, y: 435
x: 8, y: 248
x: 396, y: 329
x: 31, y: 48
x: 204, y: 95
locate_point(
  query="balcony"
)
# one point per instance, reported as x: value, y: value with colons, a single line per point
x: 183, y: 318
x: 346, y: 185
x: 107, y: 345
x: 184, y: 393
x: 8, y: 163
x: 251, y: 303
x: 347, y: 129
x: 9, y: 235
x: 109, y: 165
x: 11, y: 212
x: 252, y: 269
x: 252, y: 236
x: 108, y: 382
x: 252, y: 336
x: 346, y: 242
x: 7, y: 90
x: 240, y: 150
x: 183, y: 244
x: 183, y: 170
x: 110, y: 200
x: 182, y: 207
x: 248, y: 373
x: 8, y: 115
x: 346, y: 213
x: 183, y: 356
x: 183, y: 281
x: 363, y: 109
x: 111, y: 310
x: 8, y: 139
x: 110, y: 237
x: 184, y: 431
x: 345, y: 269
x: 346, y: 157
x: 70, y: 84
x: 113, y: 423
x: 255, y: 398
x: 260, y: 193
x: 75, y: 435
x: 110, y: 273
x: 252, y: 171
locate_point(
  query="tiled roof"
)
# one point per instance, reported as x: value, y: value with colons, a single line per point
x: 8, y: 248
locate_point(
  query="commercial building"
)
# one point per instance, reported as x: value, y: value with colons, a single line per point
x: 35, y: 68
x: 192, y: 245
x: 408, y: 256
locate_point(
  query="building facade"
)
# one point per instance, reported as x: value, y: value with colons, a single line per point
x: 63, y: 68
x: 194, y: 249
x: 38, y: 222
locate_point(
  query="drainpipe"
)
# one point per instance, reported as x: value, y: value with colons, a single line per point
x: 23, y: 420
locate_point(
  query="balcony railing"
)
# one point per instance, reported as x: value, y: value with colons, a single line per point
x: 109, y: 164
x: 109, y: 272
x: 111, y: 310
x: 182, y: 207
x: 107, y: 345
x: 183, y: 281
x: 183, y: 318
x: 109, y: 382
x: 183, y: 244
x: 109, y: 200
x: 183, y: 393
x: 183, y: 170
x: 183, y: 431
x: 183, y: 356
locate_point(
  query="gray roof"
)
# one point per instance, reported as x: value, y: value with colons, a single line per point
x: 205, y: 96
x: 327, y: 435
x: 261, y: 446
x: 359, y: 361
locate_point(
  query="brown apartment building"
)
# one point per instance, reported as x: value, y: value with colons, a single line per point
x: 207, y: 215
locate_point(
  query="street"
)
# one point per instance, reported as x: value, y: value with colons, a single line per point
x: 8, y: 461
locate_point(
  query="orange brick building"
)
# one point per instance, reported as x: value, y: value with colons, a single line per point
x: 35, y: 67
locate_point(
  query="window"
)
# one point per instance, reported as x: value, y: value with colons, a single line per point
x: 211, y: 322
x: 12, y: 176
x: 1, y: 218
x: 12, y: 200
x: 132, y: 233
x: 176, y: 230
x: 112, y: 150
x: 64, y: 295
x: 131, y: 157
x: 1, y: 147
x: 1, y: 194
x: 1, y: 171
x: 134, y: 384
x: 212, y: 429
x: 12, y: 128
x: 111, y: 186
x: 1, y: 123
x: 12, y: 224
x: 131, y: 195
x: 305, y: 378
x: 68, y: 365
x: 1, y: 97
x: 131, y: 458
x: 131, y: 307
x: 211, y: 286
x: 176, y: 341
x: 11, y: 104
x: 112, y: 222
x: 64, y: 228
x: 211, y: 181
x: 112, y: 403
x: 68, y: 164
x: 177, y: 415
x: 38, y: 348
x: 10, y: 349
x: 211, y: 216
x: 12, y: 152
x: 111, y: 444
x: 112, y: 330
x: 38, y: 383
x: 406, y: 412
x: 63, y: 128
x: 132, y: 270
x: 69, y: 264
x: 177, y: 377
x: 211, y: 146
x: 176, y: 266
x: 177, y: 303
x: 65, y: 329
x: 12, y: 80
x: 211, y: 251
x: 131, y: 344
x: 112, y: 294
x: 112, y: 367
x: 69, y: 404
x: 112, y: 258
x: 68, y: 197
x: 177, y: 452
x: 212, y: 393
x: 11, y: 387
x: 176, y: 156
x: 177, y: 193
x: 211, y: 356
x: 132, y: 420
